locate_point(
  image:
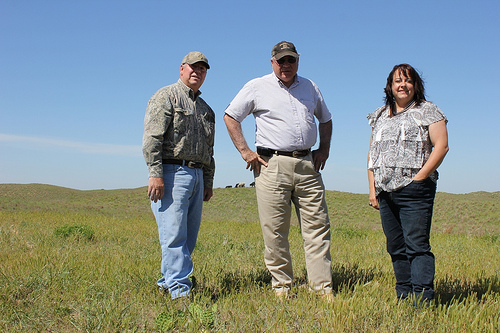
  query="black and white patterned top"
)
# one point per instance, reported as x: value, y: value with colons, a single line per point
x: 401, y: 144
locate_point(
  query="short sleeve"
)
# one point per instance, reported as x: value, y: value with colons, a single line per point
x: 428, y: 114
x: 242, y: 104
x: 372, y: 117
x: 322, y: 112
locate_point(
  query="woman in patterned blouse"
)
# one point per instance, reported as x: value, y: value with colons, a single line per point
x: 409, y: 141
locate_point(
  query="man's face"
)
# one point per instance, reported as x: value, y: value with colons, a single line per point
x: 193, y: 75
x: 285, y: 69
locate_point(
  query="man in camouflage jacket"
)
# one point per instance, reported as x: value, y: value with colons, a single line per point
x: 179, y: 129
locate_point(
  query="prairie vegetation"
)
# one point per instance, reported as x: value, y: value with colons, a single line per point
x: 87, y: 261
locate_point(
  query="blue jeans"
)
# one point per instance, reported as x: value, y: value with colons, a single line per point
x: 178, y: 215
x: 406, y: 219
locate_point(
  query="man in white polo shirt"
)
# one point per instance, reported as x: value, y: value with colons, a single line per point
x: 285, y: 106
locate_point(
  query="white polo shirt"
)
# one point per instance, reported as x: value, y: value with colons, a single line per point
x: 284, y: 117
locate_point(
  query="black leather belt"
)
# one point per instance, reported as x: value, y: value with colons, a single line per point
x: 270, y: 152
x: 191, y: 164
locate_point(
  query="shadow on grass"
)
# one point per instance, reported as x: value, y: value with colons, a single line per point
x: 448, y: 289
x: 452, y: 289
x: 228, y: 282
x: 347, y: 277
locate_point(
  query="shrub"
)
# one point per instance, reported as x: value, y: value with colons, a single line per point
x: 78, y: 231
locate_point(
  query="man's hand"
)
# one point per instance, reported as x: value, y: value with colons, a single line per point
x: 235, y: 132
x: 156, y: 188
x: 321, y: 154
x: 319, y: 158
x: 207, y: 193
x: 253, y: 160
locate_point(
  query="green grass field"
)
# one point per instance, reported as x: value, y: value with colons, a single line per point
x: 87, y: 261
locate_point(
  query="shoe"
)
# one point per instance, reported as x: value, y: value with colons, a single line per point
x: 163, y: 291
x: 281, y: 294
x: 327, y: 297
x: 284, y: 294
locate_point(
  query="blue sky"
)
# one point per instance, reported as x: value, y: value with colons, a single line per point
x: 76, y: 76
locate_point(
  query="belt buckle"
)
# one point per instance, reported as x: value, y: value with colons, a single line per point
x: 192, y: 164
x: 296, y: 153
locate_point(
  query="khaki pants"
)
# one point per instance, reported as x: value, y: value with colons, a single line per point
x: 285, y: 180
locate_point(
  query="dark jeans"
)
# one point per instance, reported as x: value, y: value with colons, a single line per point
x: 406, y: 219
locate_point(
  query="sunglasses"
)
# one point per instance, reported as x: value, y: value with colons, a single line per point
x: 291, y: 60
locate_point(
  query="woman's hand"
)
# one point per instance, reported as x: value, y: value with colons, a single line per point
x: 372, y: 198
x: 372, y: 201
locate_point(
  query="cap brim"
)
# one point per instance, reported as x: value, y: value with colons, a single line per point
x: 197, y: 61
x: 280, y: 55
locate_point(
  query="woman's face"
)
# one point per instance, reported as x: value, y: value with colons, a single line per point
x: 402, y: 88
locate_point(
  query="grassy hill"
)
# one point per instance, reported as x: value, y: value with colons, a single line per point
x: 74, y: 261
x: 475, y: 213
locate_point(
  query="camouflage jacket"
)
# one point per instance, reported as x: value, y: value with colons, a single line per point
x: 179, y: 125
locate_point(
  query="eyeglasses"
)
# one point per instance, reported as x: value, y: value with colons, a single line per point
x: 291, y: 60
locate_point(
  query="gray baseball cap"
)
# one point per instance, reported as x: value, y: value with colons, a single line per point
x: 283, y: 49
x: 194, y: 57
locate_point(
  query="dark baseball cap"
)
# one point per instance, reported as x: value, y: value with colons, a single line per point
x: 283, y: 49
x: 194, y: 57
